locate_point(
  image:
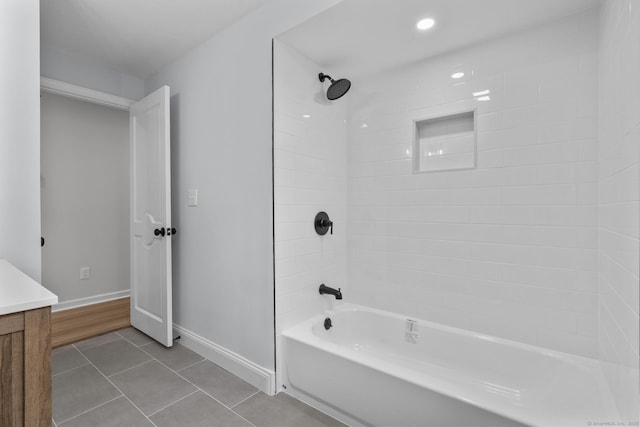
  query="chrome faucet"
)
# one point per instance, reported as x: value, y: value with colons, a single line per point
x: 330, y: 291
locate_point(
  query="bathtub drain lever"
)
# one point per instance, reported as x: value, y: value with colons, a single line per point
x: 327, y: 323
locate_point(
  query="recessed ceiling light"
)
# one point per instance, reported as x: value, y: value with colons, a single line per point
x: 484, y: 98
x: 458, y: 75
x: 482, y: 92
x: 306, y: 116
x: 425, y: 24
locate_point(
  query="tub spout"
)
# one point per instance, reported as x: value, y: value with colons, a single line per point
x: 330, y: 291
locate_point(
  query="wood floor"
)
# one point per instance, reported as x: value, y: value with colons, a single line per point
x: 76, y: 324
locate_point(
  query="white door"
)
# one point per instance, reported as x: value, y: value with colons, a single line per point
x: 151, y: 231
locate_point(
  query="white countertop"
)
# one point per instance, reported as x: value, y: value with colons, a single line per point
x: 19, y: 292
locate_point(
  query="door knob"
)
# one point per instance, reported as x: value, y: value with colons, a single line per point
x: 171, y: 231
x: 158, y: 232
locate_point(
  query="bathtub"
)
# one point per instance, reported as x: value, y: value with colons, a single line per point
x: 379, y: 368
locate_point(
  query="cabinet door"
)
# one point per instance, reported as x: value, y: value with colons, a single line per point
x: 12, y: 379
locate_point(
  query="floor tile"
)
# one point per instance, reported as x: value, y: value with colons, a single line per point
x: 99, y: 340
x: 78, y: 390
x: 176, y: 357
x: 117, y: 413
x: 65, y: 358
x: 135, y: 336
x: 115, y: 356
x: 282, y: 410
x: 152, y: 386
x: 198, y: 410
x: 221, y: 384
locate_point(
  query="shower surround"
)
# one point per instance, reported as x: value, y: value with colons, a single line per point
x: 523, y: 247
x: 310, y: 176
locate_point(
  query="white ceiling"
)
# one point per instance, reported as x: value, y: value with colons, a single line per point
x: 135, y: 37
x: 359, y: 37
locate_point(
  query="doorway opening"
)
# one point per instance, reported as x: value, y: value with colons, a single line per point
x: 84, y: 193
x: 106, y: 211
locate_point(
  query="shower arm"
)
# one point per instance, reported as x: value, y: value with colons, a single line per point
x: 323, y: 77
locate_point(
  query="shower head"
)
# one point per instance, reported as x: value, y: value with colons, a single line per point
x: 338, y: 87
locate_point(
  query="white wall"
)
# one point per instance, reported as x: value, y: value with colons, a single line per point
x: 221, y: 145
x: 20, y: 135
x: 310, y: 175
x: 510, y: 248
x: 619, y: 207
x: 85, y: 72
x: 85, y: 197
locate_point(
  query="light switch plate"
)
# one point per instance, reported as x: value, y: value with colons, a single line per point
x: 192, y: 198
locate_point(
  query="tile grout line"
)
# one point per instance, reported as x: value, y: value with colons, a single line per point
x: 96, y: 345
x: 126, y: 340
x: 204, y: 391
x: 170, y: 368
x: 192, y: 365
x: 173, y: 403
x: 134, y: 344
x: 230, y: 409
x: 153, y: 358
x: 111, y: 382
x: 245, y: 399
x: 69, y: 370
x: 91, y: 409
x: 117, y: 388
x: 125, y: 370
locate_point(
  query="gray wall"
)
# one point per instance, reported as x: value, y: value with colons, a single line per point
x: 83, y: 72
x: 221, y: 145
x: 20, y: 135
x: 85, y: 197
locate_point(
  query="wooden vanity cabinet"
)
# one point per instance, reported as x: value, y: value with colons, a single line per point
x: 25, y: 368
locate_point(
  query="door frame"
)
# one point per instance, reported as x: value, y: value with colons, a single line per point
x: 84, y: 94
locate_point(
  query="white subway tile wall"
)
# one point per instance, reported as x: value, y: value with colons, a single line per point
x: 619, y: 214
x: 510, y: 248
x: 310, y: 175
x: 539, y: 244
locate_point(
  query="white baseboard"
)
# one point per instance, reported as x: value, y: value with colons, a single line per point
x: 263, y: 379
x: 95, y: 299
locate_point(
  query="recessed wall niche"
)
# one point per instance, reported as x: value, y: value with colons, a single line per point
x: 445, y: 143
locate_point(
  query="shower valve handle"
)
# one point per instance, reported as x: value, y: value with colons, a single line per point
x: 327, y: 224
x: 322, y: 223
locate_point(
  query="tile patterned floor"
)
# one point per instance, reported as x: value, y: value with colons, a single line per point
x: 125, y: 378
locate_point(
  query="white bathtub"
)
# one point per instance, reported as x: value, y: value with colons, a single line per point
x: 364, y: 367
